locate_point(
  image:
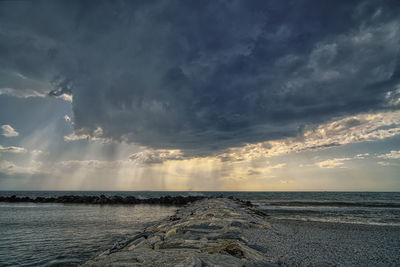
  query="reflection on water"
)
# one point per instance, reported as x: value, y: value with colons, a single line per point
x: 65, y: 235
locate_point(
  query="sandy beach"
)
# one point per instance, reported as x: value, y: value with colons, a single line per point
x: 298, y: 243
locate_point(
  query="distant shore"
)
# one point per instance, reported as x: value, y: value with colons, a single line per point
x: 102, y: 199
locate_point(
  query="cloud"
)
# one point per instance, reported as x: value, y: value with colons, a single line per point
x: 278, y: 166
x: 9, y: 131
x: 332, y: 163
x: 66, y: 97
x: 390, y: 158
x: 10, y: 168
x: 384, y: 163
x: 148, y: 157
x: 67, y: 118
x: 362, y: 156
x: 195, y: 78
x: 12, y: 149
x: 391, y: 155
x: 21, y: 94
x: 79, y: 135
x: 91, y: 164
x: 18, y: 85
x: 339, y: 162
x: 37, y: 152
x: 348, y: 130
x: 76, y: 137
x: 265, y: 170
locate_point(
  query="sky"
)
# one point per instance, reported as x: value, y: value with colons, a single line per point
x: 200, y: 95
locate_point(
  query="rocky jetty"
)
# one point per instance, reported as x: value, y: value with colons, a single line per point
x: 205, y: 233
x: 177, y: 200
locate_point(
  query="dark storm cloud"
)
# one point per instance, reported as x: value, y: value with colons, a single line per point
x: 205, y: 75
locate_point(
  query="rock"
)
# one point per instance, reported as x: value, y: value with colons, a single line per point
x: 259, y: 212
x: 181, y: 243
x: 135, y: 243
x: 207, y: 234
x: 204, y: 226
x: 217, y: 260
x: 171, y: 232
x: 195, y: 262
x: 258, y: 248
x: 231, y: 248
x: 235, y: 234
x: 153, y: 240
x: 174, y: 218
x: 102, y: 199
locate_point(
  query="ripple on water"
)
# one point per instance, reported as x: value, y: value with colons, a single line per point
x: 66, y: 235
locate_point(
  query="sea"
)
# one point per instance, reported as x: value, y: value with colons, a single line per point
x: 54, y: 234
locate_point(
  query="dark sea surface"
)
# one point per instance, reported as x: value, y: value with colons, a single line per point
x: 33, y: 234
x: 67, y: 234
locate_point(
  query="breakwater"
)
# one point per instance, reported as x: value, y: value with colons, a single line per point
x: 102, y: 199
x: 208, y: 232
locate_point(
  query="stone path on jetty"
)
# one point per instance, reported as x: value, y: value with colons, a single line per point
x: 207, y: 232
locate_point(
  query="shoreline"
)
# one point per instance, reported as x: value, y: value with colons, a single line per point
x: 229, y: 232
x: 330, y: 224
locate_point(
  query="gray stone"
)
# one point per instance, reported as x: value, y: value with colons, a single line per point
x: 153, y: 240
x: 208, y: 234
x: 217, y: 260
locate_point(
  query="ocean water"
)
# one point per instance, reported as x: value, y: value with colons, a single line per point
x: 373, y: 208
x: 67, y: 234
